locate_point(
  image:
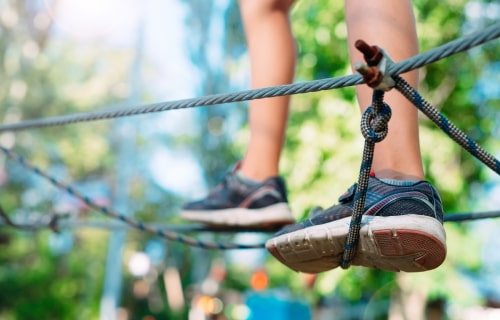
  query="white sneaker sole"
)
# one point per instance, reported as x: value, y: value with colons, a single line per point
x: 274, y: 215
x: 410, y: 243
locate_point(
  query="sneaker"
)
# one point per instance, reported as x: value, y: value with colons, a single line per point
x: 238, y: 203
x: 401, y: 230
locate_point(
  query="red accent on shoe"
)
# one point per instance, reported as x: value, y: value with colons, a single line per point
x: 237, y: 166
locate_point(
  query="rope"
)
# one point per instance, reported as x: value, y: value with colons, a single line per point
x: 57, y: 222
x: 430, y: 56
x: 374, y: 128
x: 459, y: 45
x: 170, y: 235
x: 446, y: 125
x: 456, y: 217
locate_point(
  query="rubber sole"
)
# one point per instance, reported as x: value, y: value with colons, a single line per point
x: 275, y: 215
x: 410, y: 243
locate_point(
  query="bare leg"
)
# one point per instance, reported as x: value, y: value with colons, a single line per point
x: 237, y: 201
x: 272, y: 58
x: 393, y: 29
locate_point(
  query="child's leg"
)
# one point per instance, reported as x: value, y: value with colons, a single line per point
x: 272, y: 58
x: 393, y: 29
x: 237, y: 200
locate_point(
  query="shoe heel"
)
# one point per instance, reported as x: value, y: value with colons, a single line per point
x: 410, y: 250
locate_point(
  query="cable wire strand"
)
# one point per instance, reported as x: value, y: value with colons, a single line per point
x: 438, y: 53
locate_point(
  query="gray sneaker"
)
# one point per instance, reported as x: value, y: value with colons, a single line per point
x: 401, y: 230
x: 237, y: 203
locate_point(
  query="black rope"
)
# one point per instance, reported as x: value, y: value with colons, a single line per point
x: 57, y: 224
x: 374, y: 128
x: 446, y: 125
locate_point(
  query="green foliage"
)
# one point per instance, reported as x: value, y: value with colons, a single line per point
x: 38, y: 284
x: 320, y: 161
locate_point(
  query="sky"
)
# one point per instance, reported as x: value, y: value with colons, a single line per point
x: 117, y: 23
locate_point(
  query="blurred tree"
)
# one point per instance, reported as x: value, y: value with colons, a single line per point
x: 45, y: 76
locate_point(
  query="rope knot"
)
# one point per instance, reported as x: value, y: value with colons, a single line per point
x: 374, y: 122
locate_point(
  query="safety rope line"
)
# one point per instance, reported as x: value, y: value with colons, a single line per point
x: 438, y: 53
x: 455, y: 46
x: 468, y: 216
x: 170, y: 235
x: 56, y: 224
x: 446, y: 125
x: 374, y: 129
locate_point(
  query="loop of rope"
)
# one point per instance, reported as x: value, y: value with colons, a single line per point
x: 374, y: 124
x: 57, y: 224
x: 438, y: 53
x: 452, y: 47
